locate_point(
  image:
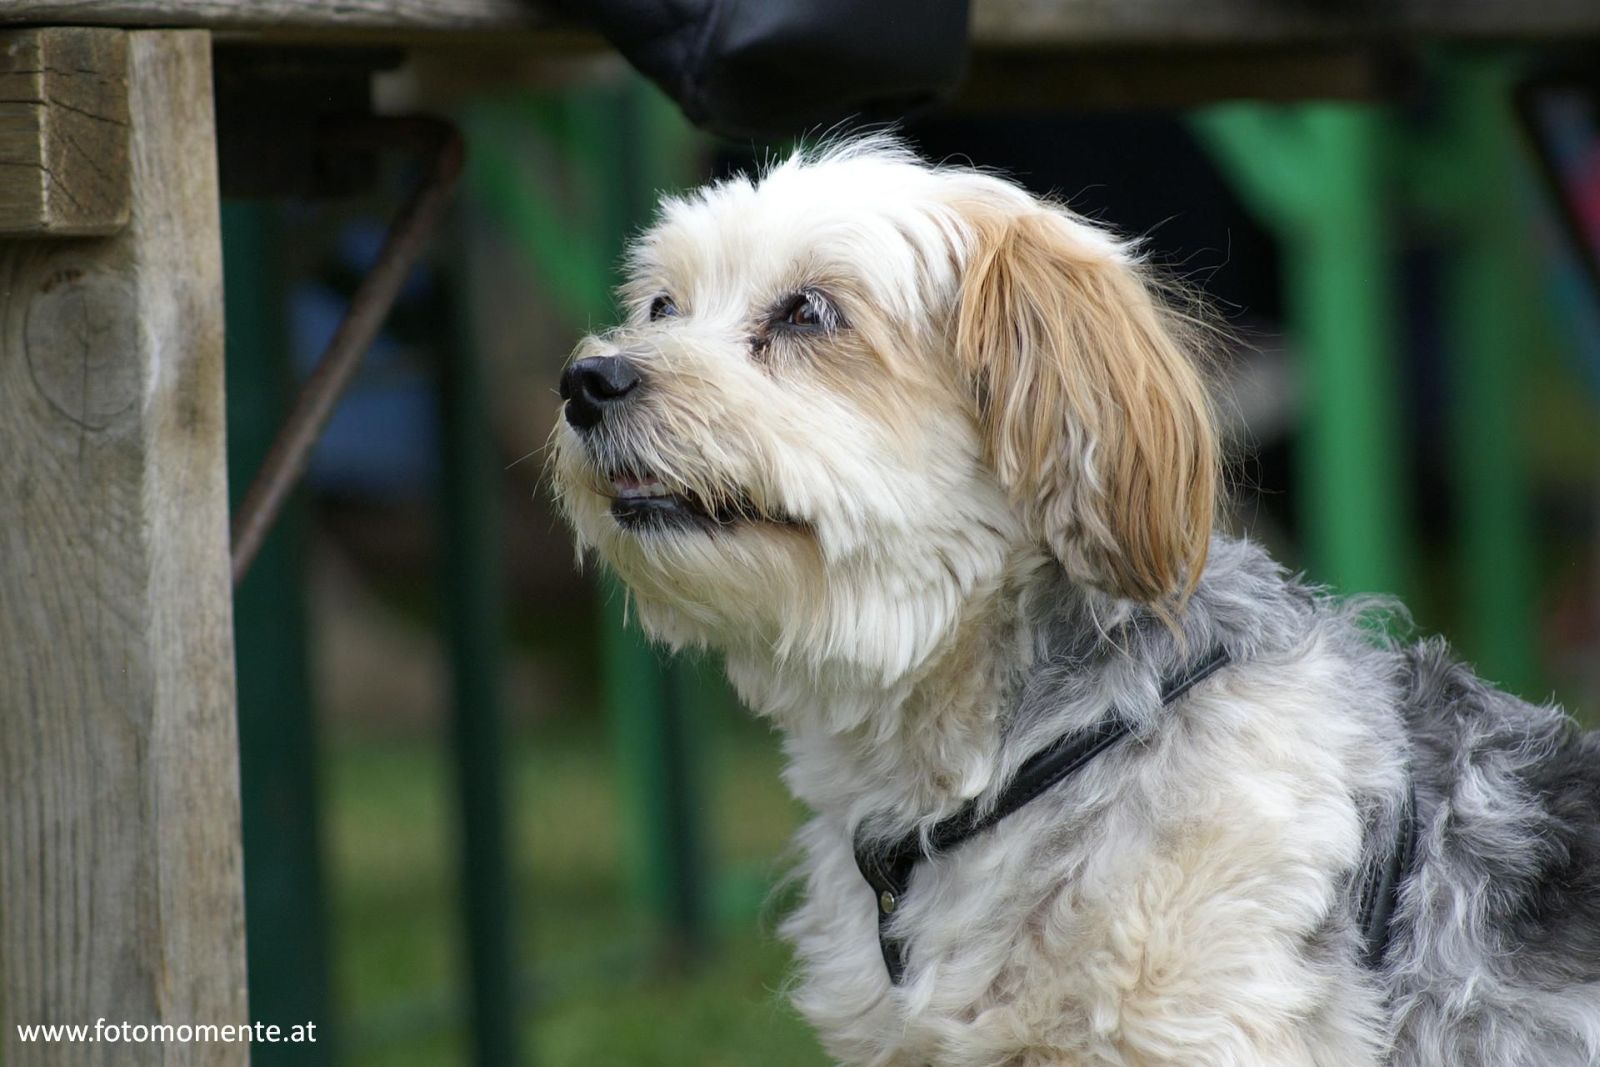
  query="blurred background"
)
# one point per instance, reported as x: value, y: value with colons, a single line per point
x: 485, y: 823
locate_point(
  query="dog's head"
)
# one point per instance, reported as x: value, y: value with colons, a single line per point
x: 850, y: 395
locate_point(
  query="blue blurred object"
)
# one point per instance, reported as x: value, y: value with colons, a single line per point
x: 383, y: 439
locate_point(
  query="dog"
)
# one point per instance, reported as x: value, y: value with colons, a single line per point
x: 933, y: 464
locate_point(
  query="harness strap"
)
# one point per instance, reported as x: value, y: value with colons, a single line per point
x: 888, y: 865
x: 1379, y: 893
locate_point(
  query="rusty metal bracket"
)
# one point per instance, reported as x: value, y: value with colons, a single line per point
x: 438, y: 142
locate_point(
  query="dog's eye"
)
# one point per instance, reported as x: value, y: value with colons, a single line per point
x: 662, y: 307
x: 802, y: 312
x: 808, y: 310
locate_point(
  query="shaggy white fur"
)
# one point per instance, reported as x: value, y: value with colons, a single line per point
x: 930, y: 462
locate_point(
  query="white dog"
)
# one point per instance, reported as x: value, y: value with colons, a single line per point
x: 931, y: 462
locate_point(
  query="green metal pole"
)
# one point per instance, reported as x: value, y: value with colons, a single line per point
x: 279, y: 784
x: 649, y: 705
x: 1341, y: 285
x: 1318, y: 175
x: 474, y: 621
x: 1488, y: 336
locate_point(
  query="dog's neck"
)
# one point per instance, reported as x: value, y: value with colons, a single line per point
x: 910, y: 749
x: 1028, y: 658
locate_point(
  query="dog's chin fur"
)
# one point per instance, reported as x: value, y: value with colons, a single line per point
x: 965, y: 503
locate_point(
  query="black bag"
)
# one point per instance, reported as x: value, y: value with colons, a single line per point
x: 751, y: 68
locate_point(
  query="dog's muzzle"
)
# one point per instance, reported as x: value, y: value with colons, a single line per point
x: 595, y: 386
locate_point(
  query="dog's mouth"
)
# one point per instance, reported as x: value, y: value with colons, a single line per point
x: 640, y: 501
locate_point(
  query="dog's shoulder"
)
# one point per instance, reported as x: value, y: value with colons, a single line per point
x: 1558, y: 920
x: 1511, y: 800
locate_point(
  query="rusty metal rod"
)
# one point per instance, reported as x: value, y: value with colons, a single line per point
x: 408, y: 236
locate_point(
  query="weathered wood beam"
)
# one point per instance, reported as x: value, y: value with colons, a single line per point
x: 290, y: 17
x: 120, y: 878
x: 64, y: 131
x: 1061, y: 24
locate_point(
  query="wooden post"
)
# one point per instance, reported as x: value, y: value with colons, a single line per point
x: 119, y: 815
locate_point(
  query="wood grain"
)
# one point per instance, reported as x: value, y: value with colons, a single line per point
x: 63, y: 131
x: 996, y: 23
x: 287, y: 16
x: 120, y: 868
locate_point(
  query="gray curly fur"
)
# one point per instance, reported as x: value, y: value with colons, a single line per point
x: 1494, y: 955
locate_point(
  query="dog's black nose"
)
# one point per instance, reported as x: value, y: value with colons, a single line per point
x: 591, y: 385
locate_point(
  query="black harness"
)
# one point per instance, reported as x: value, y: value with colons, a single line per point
x: 1379, y: 893
x: 888, y: 865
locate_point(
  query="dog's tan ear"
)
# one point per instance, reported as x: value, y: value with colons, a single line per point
x: 1094, y: 414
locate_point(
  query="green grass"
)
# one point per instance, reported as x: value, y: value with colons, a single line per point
x: 594, y: 996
